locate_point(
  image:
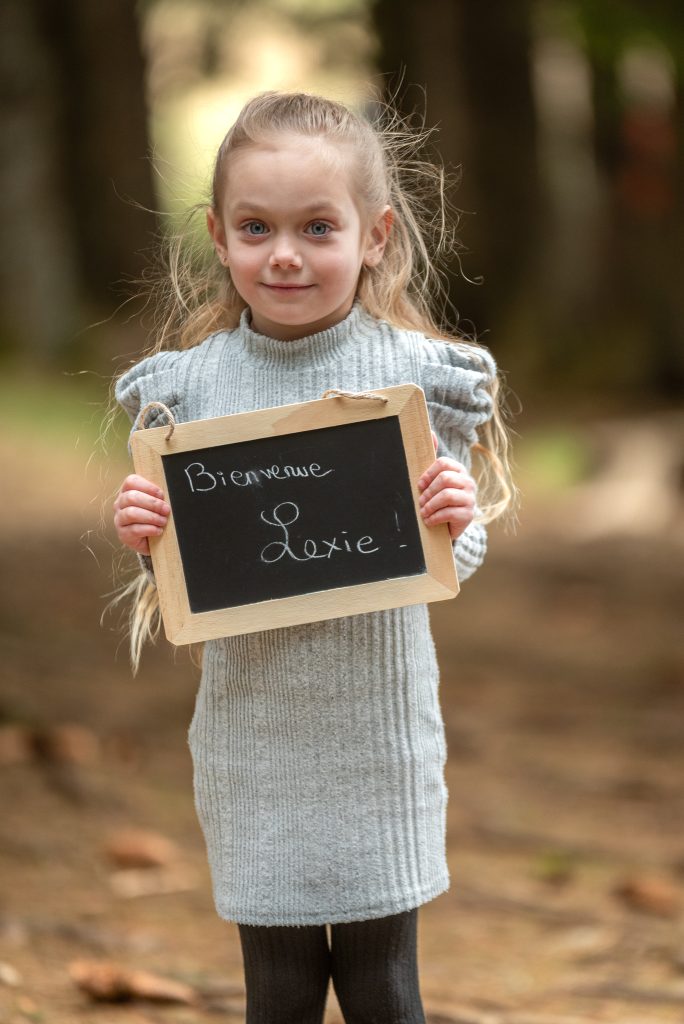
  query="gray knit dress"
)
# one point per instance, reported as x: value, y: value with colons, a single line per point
x: 319, y: 749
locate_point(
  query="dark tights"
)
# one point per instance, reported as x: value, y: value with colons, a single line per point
x: 372, y: 965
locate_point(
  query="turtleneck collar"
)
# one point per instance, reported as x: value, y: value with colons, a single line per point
x: 314, y: 350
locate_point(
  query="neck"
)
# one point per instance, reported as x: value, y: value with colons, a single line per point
x: 291, y: 332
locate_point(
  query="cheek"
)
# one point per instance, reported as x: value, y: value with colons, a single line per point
x: 341, y: 263
x: 245, y: 262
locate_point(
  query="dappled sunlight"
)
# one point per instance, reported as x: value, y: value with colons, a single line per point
x: 251, y: 49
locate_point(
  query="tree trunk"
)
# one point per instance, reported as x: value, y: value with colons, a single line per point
x: 496, y: 48
x: 104, y: 134
x: 421, y: 74
x: 75, y: 164
x: 473, y: 60
x: 39, y: 279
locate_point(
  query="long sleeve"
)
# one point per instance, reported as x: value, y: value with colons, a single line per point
x: 456, y: 380
x: 154, y: 379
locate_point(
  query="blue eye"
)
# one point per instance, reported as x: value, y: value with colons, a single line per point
x: 255, y: 227
x: 319, y: 228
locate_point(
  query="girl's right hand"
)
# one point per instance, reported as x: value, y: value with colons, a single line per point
x: 139, y: 512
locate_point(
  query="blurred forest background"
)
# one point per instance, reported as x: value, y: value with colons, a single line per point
x: 563, y: 117
x: 562, y: 661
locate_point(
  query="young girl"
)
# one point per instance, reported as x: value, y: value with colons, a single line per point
x: 319, y: 749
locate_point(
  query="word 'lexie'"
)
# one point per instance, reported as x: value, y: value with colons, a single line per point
x: 287, y: 513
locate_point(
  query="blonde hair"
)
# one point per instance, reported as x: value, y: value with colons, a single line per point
x: 191, y: 295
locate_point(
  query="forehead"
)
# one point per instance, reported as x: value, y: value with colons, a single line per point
x: 289, y: 170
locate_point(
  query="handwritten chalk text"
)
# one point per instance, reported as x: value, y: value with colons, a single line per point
x: 200, y: 479
x: 284, y: 515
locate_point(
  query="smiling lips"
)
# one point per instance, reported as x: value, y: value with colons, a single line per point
x: 287, y: 287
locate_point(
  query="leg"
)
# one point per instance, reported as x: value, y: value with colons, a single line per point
x: 286, y: 973
x: 375, y: 970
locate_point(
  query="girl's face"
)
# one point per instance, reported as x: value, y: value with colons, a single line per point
x: 293, y: 235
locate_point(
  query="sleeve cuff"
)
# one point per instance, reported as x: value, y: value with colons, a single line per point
x: 470, y: 550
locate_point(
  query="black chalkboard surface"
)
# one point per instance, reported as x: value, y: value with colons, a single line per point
x: 288, y: 515
x: 294, y: 514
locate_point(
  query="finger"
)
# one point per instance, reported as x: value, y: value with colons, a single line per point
x: 437, y: 467
x: 448, y: 478
x: 133, y: 515
x: 132, y: 532
x: 450, y: 497
x: 135, y: 482
x: 140, y: 545
x: 457, y: 517
x: 141, y: 499
x: 137, y: 539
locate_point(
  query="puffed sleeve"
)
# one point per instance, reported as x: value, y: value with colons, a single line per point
x: 154, y: 379
x: 456, y: 379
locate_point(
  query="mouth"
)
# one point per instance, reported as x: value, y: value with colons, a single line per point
x: 286, y: 287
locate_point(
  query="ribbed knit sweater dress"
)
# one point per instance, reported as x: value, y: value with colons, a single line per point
x: 319, y: 749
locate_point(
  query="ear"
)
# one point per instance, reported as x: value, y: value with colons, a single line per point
x: 217, y: 232
x: 377, y: 238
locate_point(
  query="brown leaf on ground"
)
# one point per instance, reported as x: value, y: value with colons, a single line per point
x: 650, y: 894
x: 461, y: 1015
x: 105, y: 981
x: 66, y: 743
x: 135, y: 848
x: 131, y: 883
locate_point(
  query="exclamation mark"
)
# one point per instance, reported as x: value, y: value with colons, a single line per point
x: 396, y: 520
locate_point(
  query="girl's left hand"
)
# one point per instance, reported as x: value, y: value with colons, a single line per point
x: 448, y: 495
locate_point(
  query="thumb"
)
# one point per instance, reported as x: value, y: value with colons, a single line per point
x: 435, y: 441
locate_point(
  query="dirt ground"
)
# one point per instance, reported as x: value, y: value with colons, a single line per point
x: 563, y: 695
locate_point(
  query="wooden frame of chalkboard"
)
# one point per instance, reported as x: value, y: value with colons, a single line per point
x: 294, y: 514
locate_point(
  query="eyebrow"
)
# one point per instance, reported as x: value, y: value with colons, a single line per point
x: 319, y: 206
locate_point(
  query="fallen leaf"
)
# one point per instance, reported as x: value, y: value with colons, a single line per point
x: 136, y: 848
x: 461, y: 1015
x: 66, y: 743
x: 105, y: 981
x: 151, y: 882
x: 584, y: 943
x: 650, y: 894
x: 9, y: 975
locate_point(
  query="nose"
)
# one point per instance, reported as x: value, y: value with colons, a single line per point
x: 285, y: 253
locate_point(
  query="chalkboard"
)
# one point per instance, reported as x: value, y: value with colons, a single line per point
x: 283, y: 516
x: 294, y: 514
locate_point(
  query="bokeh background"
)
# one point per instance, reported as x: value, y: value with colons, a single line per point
x: 562, y: 660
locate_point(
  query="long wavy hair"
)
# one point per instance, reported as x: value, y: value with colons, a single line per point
x: 191, y: 295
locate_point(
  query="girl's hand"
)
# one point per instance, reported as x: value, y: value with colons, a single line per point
x: 139, y: 512
x: 448, y: 495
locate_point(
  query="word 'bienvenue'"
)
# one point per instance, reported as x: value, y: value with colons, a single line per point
x: 200, y: 479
